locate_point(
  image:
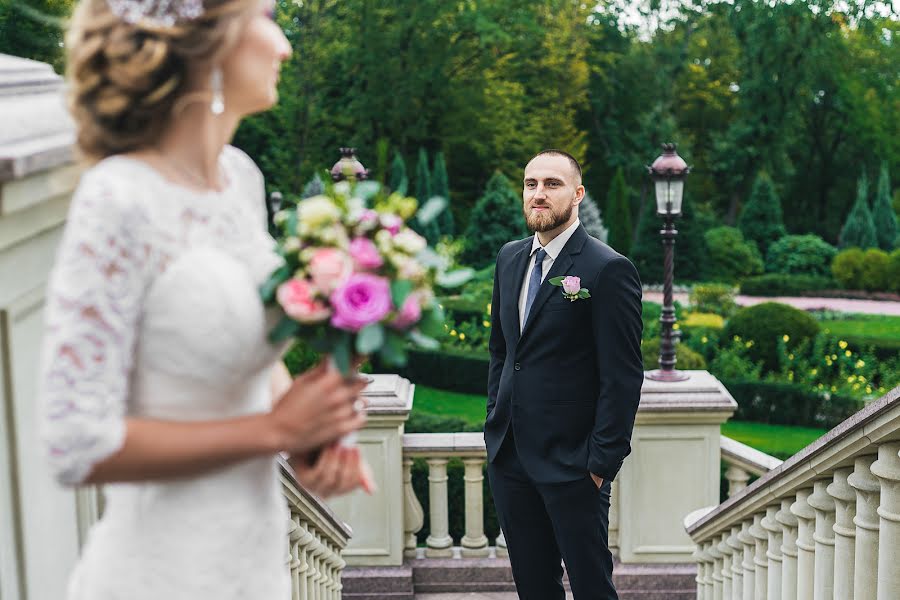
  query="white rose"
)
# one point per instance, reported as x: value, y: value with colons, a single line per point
x: 316, y: 212
x: 384, y: 240
x: 410, y: 242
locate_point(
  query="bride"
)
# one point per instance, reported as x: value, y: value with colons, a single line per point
x: 157, y: 378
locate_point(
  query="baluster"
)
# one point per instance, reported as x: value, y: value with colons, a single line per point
x: 717, y: 560
x: 737, y: 479
x: 439, y: 543
x: 887, y: 469
x: 707, y: 563
x: 760, y: 539
x: 788, y: 523
x: 806, y: 549
x: 747, y: 565
x: 502, y: 551
x: 737, y: 570
x: 294, y: 534
x: 303, y: 573
x: 865, y: 573
x: 474, y: 543
x: 823, y: 504
x: 315, y: 554
x: 699, y: 559
x: 413, y: 515
x: 844, y: 532
x: 328, y: 560
x: 775, y: 537
x: 727, y: 556
x: 341, y: 564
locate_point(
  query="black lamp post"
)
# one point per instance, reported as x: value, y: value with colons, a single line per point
x: 668, y: 173
x: 349, y: 167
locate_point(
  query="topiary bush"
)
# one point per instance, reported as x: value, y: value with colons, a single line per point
x: 730, y: 257
x: 893, y: 271
x: 859, y: 229
x: 800, y: 255
x: 715, y: 298
x: 687, y: 359
x: 764, y: 324
x: 847, y: 268
x: 874, y: 276
x: 776, y: 284
x: 496, y: 219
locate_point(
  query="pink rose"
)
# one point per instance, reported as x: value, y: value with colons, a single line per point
x: 364, y: 299
x: 296, y: 298
x: 365, y: 254
x: 392, y: 223
x: 329, y: 268
x: 410, y: 314
x: 571, y: 285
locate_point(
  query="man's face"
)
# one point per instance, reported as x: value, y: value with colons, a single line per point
x: 551, y: 192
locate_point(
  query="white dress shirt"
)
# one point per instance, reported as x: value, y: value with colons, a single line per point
x: 552, y: 250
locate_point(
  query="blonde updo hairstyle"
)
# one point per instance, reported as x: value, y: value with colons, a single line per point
x: 125, y: 81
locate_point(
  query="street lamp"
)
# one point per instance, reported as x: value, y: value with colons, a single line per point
x: 668, y: 173
x: 349, y: 167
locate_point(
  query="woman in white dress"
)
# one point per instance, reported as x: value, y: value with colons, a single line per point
x: 157, y: 380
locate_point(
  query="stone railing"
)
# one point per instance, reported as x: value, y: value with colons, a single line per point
x: 824, y: 524
x: 316, y: 537
x: 743, y: 461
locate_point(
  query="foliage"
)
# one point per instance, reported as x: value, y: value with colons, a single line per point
x: 847, y: 268
x: 800, y: 255
x: 686, y: 358
x: 776, y: 284
x: 430, y: 230
x: 883, y: 215
x: 761, y: 221
x: 729, y: 257
x: 589, y: 215
x: 894, y: 270
x: 789, y: 403
x: 454, y: 370
x: 315, y: 187
x: 761, y: 326
x: 618, y: 214
x: 35, y: 29
x: 496, y: 219
x: 703, y: 320
x: 713, y: 298
x: 399, y: 180
x: 874, y: 276
x: 734, y: 361
x: 440, y: 187
x: 859, y: 230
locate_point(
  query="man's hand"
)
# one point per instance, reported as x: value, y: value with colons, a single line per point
x: 598, y: 481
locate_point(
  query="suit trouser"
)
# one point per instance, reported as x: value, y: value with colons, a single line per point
x: 546, y: 523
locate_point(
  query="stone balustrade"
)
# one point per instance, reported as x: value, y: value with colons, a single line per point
x: 316, y: 538
x: 823, y: 525
x: 743, y: 461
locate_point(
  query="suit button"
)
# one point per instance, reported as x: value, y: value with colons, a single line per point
x: 518, y: 367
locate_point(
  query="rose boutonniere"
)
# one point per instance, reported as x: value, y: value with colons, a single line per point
x: 571, y: 287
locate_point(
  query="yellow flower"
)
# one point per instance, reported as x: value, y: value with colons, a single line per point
x: 860, y: 364
x: 676, y: 326
x: 748, y: 344
x: 791, y: 356
x: 828, y: 362
x: 855, y: 386
x: 790, y: 375
x: 489, y: 308
x: 848, y: 353
x: 737, y: 338
x: 814, y: 371
x: 842, y: 344
x: 821, y: 386
x: 462, y: 336
x: 487, y: 323
x: 446, y: 326
x: 862, y: 379
x: 834, y: 357
x: 453, y: 333
x: 833, y: 389
x: 868, y: 389
x: 704, y: 339
x: 786, y: 338
x: 851, y: 379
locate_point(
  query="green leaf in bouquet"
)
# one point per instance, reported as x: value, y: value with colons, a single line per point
x: 432, y: 322
x: 370, y: 338
x: 583, y: 293
x: 557, y: 281
x: 452, y: 279
x: 291, y: 223
x: 270, y: 285
x: 286, y: 328
x: 341, y: 354
x: 393, y: 352
x: 423, y: 341
x: 431, y: 209
x: 367, y: 190
x: 400, y: 290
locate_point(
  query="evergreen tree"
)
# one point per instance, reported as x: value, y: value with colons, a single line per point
x: 314, y: 187
x: 690, y: 245
x: 883, y: 213
x: 859, y: 229
x: 496, y: 219
x: 429, y: 230
x: 618, y: 214
x: 440, y: 187
x: 761, y: 220
x: 589, y: 214
x: 399, y: 182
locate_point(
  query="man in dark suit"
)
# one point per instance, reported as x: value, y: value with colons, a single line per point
x: 563, y: 389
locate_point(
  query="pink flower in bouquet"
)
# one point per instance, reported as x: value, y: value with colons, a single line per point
x: 329, y: 268
x: 296, y: 298
x: 410, y: 313
x: 368, y: 216
x: 571, y: 284
x: 365, y: 254
x: 364, y: 299
x: 392, y: 223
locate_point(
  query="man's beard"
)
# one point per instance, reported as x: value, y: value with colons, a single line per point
x: 547, y: 220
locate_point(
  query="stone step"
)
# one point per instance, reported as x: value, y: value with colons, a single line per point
x: 375, y: 583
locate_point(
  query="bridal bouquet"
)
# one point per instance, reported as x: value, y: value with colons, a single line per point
x: 356, y: 279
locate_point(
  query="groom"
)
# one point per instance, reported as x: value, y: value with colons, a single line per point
x: 563, y: 389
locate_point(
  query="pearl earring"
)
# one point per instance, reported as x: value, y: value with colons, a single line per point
x: 217, y: 106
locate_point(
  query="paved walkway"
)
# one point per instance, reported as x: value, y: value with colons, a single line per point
x: 476, y: 596
x: 869, y: 307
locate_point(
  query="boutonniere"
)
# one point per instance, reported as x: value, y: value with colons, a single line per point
x: 571, y: 287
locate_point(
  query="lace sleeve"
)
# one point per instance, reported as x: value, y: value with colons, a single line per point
x: 94, y: 302
x: 254, y: 182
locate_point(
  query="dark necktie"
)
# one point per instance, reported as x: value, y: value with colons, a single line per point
x: 534, y: 283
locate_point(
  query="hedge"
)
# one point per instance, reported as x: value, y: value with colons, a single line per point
x: 777, y: 284
x: 452, y: 370
x: 789, y: 404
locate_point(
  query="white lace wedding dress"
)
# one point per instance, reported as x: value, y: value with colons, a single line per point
x: 153, y: 311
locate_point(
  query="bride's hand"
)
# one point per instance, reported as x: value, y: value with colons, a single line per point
x: 319, y: 407
x: 336, y: 470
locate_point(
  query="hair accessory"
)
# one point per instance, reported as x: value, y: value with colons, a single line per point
x: 159, y: 13
x: 217, y: 106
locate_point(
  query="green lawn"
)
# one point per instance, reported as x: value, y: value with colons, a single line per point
x: 870, y: 326
x: 777, y: 440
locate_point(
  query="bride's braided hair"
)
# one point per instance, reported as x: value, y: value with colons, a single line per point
x: 125, y: 80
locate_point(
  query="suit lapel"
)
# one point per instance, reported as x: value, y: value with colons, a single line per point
x: 513, y: 286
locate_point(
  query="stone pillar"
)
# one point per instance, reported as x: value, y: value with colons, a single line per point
x: 887, y: 469
x: 865, y: 572
x: 788, y: 524
x: 727, y: 556
x: 715, y: 568
x: 737, y: 479
x: 304, y: 544
x: 760, y: 541
x: 676, y: 439
x: 806, y: 549
x: 379, y: 521
x: 737, y: 571
x: 413, y: 515
x: 845, y: 532
x: 823, y: 504
x: 747, y: 564
x: 474, y: 543
x: 439, y: 543
x: 775, y: 535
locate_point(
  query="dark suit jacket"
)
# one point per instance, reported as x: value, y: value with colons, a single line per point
x: 570, y: 384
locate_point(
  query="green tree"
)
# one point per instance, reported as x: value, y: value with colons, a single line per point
x: 423, y: 194
x: 589, y: 215
x: 730, y: 257
x: 314, y: 187
x: 34, y: 29
x: 761, y: 220
x: 883, y: 213
x: 859, y: 229
x: 496, y: 219
x: 618, y: 214
x: 399, y: 182
x: 440, y: 187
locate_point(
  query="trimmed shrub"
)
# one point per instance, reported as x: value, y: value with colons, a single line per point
x: 761, y: 221
x: 789, y: 404
x: 715, y: 298
x: 399, y: 180
x: 729, y: 256
x: 496, y: 219
x: 703, y: 321
x: 618, y: 214
x: 800, y: 255
x: 859, y: 230
x: 589, y: 214
x: 874, y: 276
x: 893, y: 271
x: 764, y: 324
x: 686, y: 358
x: 847, y: 268
x: 886, y: 229
x: 458, y: 371
x: 776, y: 284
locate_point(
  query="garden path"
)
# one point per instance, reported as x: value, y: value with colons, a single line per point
x: 848, y: 305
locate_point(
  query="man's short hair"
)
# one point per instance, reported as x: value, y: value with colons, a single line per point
x: 554, y: 152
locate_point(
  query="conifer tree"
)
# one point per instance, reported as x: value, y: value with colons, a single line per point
x: 883, y: 213
x: 496, y: 219
x: 762, y: 220
x: 618, y: 214
x: 859, y: 229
